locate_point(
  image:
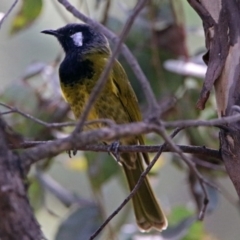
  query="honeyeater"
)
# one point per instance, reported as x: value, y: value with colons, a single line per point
x: 87, y: 52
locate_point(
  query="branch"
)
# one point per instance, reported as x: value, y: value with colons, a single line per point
x: 66, y: 197
x: 34, y: 119
x: 108, y: 122
x: 8, y: 12
x: 196, y: 150
x: 208, y: 164
x: 53, y: 148
x: 202, y: 12
x: 220, y: 122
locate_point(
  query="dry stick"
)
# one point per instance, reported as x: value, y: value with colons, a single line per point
x: 140, y: 180
x: 149, y: 96
x: 179, y: 123
x: 37, y: 120
x: 8, y: 12
x: 196, y: 150
x: 202, y: 12
x: 103, y: 121
x: 207, y: 164
x: 104, y: 76
x: 106, y: 12
x: 64, y: 195
x: 218, y: 122
x: 53, y: 148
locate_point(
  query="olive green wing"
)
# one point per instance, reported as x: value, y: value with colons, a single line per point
x: 128, y: 98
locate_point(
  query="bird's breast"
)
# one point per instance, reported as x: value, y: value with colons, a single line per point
x: 73, y: 71
x: 77, y: 82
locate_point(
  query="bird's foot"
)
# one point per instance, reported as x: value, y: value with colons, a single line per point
x: 72, y: 152
x: 113, y: 149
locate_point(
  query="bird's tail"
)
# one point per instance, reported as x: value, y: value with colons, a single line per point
x: 147, y: 211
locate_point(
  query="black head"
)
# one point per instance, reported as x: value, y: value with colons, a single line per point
x: 80, y: 37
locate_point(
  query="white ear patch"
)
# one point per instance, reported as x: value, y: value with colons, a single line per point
x: 77, y: 39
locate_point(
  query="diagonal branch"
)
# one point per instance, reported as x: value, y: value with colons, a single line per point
x: 8, y: 12
x: 34, y: 119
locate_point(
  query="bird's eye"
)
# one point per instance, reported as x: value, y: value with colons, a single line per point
x: 70, y: 32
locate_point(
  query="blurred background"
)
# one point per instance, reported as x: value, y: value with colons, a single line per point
x: 72, y: 196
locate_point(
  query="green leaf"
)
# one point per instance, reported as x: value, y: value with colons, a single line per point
x: 28, y: 13
x: 80, y: 224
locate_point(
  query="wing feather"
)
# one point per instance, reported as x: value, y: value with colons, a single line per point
x: 128, y: 99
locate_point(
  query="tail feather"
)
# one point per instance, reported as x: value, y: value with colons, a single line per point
x: 147, y: 211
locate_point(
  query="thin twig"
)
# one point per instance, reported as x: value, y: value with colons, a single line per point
x: 106, y: 12
x: 207, y: 164
x: 103, y: 121
x: 202, y: 12
x: 8, y: 12
x: 65, y: 196
x: 104, y: 76
x: 37, y: 120
x: 218, y: 122
x: 196, y: 150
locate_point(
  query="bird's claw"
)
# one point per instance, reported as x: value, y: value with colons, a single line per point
x: 113, y: 149
x: 72, y: 152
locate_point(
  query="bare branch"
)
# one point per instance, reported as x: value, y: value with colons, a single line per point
x: 196, y: 150
x: 62, y: 194
x: 51, y: 149
x: 220, y: 122
x: 207, y: 164
x: 37, y: 120
x: 8, y: 12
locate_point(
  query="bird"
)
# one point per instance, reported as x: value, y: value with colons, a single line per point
x: 87, y: 52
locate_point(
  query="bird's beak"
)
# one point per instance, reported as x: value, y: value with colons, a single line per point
x: 51, y: 32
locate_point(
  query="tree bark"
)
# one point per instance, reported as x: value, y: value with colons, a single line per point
x: 221, y: 26
x: 16, y: 216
